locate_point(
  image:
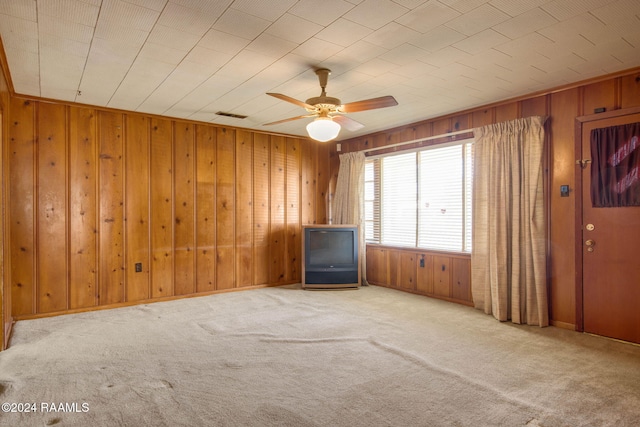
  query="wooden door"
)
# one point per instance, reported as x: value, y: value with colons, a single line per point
x: 610, y: 248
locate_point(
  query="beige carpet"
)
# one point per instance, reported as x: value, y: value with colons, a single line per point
x: 288, y: 357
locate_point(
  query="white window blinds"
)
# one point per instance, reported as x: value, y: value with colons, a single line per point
x: 468, y: 188
x: 421, y: 199
x: 398, y: 200
x: 441, y: 202
x: 372, y: 200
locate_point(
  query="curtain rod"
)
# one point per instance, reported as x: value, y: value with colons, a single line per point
x: 429, y: 138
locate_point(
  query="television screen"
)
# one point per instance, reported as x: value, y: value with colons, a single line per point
x: 330, y: 247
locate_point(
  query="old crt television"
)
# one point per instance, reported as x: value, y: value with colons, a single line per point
x: 330, y: 256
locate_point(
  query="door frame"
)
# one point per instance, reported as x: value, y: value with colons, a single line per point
x: 579, y: 247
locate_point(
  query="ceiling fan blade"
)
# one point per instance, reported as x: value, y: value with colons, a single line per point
x: 369, y: 104
x: 289, y: 119
x: 291, y: 100
x: 348, y: 123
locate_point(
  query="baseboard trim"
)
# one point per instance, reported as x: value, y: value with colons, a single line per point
x: 424, y: 294
x: 147, y: 301
x: 563, y: 325
x: 8, y: 329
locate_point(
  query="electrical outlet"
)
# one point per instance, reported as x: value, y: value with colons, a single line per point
x: 138, y: 267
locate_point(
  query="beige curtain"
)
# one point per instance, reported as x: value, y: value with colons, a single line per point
x: 348, y: 203
x: 508, y: 260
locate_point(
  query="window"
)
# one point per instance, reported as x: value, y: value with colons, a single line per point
x: 398, y: 201
x: 421, y: 198
x: 371, y: 201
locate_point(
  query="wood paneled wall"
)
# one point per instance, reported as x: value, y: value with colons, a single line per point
x: 199, y: 208
x: 5, y: 300
x: 439, y: 275
x: 562, y: 106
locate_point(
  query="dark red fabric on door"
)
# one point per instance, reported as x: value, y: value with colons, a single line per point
x: 615, y: 166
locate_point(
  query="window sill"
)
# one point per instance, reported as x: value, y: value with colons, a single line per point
x: 466, y: 255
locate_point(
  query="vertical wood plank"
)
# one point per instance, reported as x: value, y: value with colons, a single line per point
x: 407, y: 271
x: 461, y: 122
x: 562, y: 293
x: 261, y: 204
x: 394, y: 265
x: 52, y: 208
x: 358, y: 144
x: 407, y: 133
x: 278, y: 209
x: 294, y: 238
x: 21, y: 208
x: 441, y: 276
x: 347, y: 146
x: 83, y: 211
x: 461, y: 279
x: 377, y: 266
x: 327, y: 176
x: 161, y: 208
x: 205, y: 208
x: 225, y: 209
x: 372, y: 264
x: 441, y: 126
x: 506, y: 112
x: 424, y: 130
x: 534, y: 106
x: 630, y: 91
x: 380, y: 139
x: 600, y: 95
x: 137, y: 147
x: 111, y: 208
x: 309, y: 166
x: 424, y: 275
x: 244, y: 208
x: 5, y: 288
x: 483, y: 117
x: 184, y: 231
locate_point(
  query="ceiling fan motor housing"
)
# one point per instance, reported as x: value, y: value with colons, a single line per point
x: 323, y: 100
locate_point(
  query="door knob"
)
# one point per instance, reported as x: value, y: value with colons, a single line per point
x: 590, y: 244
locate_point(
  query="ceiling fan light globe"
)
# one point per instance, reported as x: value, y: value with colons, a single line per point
x: 323, y: 129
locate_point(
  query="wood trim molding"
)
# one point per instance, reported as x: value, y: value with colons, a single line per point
x: 4, y: 64
x: 578, y: 227
x: 607, y: 115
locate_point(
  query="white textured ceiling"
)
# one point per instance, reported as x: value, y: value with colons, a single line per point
x: 192, y: 58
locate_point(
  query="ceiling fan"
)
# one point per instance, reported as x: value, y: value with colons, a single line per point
x: 328, y: 111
